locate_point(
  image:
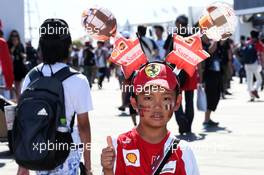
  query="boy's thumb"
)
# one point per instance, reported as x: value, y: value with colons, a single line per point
x: 109, y: 141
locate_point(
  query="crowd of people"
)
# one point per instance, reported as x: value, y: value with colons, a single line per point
x: 215, y: 74
x: 227, y: 59
x: 92, y: 61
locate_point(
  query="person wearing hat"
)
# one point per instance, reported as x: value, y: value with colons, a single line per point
x: 55, y: 41
x: 156, y: 95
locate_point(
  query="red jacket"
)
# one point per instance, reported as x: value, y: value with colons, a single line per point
x: 6, y: 64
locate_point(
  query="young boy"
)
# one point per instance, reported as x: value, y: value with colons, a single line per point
x: 137, y: 152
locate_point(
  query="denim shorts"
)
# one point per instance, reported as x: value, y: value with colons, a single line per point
x: 71, y: 164
x: 69, y: 167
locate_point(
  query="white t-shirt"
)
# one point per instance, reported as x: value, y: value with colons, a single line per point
x: 77, y: 95
x: 101, y: 55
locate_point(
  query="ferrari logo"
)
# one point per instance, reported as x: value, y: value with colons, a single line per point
x: 152, y: 70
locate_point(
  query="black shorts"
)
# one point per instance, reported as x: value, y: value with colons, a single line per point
x: 20, y: 71
x: 213, y: 84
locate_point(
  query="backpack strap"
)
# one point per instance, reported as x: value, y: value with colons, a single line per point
x: 167, y: 155
x: 62, y: 75
x: 65, y: 73
x: 72, y: 122
x: 34, y: 74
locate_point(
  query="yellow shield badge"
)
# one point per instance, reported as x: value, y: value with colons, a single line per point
x: 152, y: 70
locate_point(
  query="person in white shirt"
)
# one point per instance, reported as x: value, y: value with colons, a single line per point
x: 75, y: 57
x: 160, y: 42
x: 101, y: 56
x: 77, y: 97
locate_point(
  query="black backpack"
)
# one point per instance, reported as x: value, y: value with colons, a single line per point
x: 249, y: 54
x: 41, y: 139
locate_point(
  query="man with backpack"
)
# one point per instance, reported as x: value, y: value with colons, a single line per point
x: 239, y: 55
x: 44, y: 136
x: 251, y: 53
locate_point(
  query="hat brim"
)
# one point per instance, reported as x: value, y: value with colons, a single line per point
x: 159, y: 82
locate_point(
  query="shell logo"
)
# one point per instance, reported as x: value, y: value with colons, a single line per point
x: 131, y: 157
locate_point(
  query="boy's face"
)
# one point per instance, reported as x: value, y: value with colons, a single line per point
x: 156, y: 106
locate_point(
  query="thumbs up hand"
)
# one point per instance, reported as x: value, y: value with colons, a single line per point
x: 108, y: 157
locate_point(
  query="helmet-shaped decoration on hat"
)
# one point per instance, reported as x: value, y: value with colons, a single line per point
x: 99, y: 23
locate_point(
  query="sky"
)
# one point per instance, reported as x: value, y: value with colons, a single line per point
x: 135, y: 11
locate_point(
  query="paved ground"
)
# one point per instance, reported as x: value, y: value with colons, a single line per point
x: 235, y: 147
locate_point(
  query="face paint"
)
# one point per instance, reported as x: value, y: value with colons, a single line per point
x: 142, y: 109
x: 141, y: 113
x: 169, y: 106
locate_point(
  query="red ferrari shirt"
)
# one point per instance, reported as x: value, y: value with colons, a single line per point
x: 135, y: 156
